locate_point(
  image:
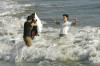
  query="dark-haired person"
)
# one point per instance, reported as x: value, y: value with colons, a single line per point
x: 27, y: 31
x: 35, y: 27
x: 65, y: 26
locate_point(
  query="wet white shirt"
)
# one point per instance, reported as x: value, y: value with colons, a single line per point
x: 64, y: 27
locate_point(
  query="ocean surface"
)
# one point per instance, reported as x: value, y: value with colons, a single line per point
x: 81, y: 47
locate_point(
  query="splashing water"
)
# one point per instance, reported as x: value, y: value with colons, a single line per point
x: 81, y: 43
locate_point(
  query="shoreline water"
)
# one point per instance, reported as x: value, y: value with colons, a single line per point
x: 46, y: 63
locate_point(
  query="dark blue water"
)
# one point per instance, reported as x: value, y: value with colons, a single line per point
x: 86, y: 11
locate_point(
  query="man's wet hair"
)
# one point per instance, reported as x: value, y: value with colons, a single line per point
x: 66, y: 15
x: 33, y: 15
x: 29, y: 17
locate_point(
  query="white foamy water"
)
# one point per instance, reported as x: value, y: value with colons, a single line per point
x: 81, y: 43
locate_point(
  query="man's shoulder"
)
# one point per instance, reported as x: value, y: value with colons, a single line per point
x: 28, y: 22
x: 69, y: 21
x: 25, y: 22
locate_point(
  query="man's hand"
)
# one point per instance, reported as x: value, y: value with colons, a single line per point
x: 58, y: 23
x: 54, y: 20
x: 76, y: 20
x: 73, y: 24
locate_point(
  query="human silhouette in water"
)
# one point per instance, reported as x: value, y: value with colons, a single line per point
x: 65, y: 26
x: 35, y: 27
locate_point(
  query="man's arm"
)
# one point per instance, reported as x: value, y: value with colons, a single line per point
x: 58, y: 23
x: 34, y: 24
x: 73, y: 24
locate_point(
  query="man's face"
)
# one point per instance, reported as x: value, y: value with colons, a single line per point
x: 30, y: 20
x: 64, y: 18
x: 34, y: 19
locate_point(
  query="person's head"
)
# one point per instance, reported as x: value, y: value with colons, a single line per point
x: 29, y: 18
x: 33, y: 16
x: 65, y: 17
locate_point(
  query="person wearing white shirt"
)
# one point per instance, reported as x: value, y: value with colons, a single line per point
x: 65, y: 26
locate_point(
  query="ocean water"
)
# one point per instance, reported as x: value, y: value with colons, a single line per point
x: 81, y: 47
